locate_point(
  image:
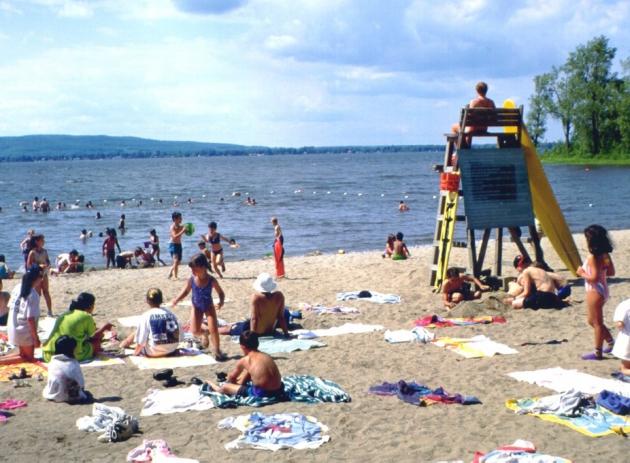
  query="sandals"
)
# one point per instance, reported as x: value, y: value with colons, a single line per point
x: 196, y: 381
x: 592, y: 356
x: 163, y: 374
x: 609, y: 348
x: 172, y: 382
x: 21, y: 375
x: 220, y: 357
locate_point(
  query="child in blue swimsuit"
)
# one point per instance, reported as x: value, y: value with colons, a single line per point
x: 201, y: 284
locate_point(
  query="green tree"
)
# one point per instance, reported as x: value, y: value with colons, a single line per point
x: 591, y: 84
x: 561, y: 104
x: 623, y: 119
x: 539, y: 106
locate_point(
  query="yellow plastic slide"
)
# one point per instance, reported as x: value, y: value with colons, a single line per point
x: 546, y: 207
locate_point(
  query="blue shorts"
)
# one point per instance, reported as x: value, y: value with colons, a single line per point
x: 249, y: 390
x: 239, y: 328
x: 176, y: 250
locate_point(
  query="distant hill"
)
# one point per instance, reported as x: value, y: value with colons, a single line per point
x: 58, y: 147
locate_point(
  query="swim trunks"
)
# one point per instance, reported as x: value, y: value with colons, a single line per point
x: 176, y: 250
x: 542, y: 300
x: 239, y: 328
x: 249, y: 390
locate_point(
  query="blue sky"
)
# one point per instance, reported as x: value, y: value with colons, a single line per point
x: 280, y: 72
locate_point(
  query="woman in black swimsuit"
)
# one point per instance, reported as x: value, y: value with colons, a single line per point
x: 214, y: 238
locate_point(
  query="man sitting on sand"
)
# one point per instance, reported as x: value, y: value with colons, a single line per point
x: 400, y: 248
x: 255, y: 375
x: 267, y: 310
x: 538, y: 286
x: 456, y: 288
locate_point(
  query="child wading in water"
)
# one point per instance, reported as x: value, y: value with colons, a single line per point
x: 154, y: 240
x: 201, y: 284
x: 595, y: 270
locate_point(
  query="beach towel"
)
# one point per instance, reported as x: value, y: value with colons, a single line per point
x: 321, y: 309
x: 347, y: 328
x: 32, y: 369
x: 520, y: 451
x: 45, y: 327
x: 102, y: 360
x: 594, y: 421
x: 561, y: 380
x: 418, y: 394
x: 175, y: 400
x: 435, y: 321
x: 271, y: 345
x: 156, y: 451
x: 378, y: 298
x: 475, y: 347
x: 115, y: 424
x: 297, y: 388
x: 186, y: 358
x: 275, y: 432
x: 418, y: 334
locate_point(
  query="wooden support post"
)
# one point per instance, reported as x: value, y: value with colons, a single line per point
x: 472, y: 251
x: 498, y: 252
x: 533, y: 233
x: 514, y: 233
x: 482, y: 251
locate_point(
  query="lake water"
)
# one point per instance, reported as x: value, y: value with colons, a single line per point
x: 324, y: 202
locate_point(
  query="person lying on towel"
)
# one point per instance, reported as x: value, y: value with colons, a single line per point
x: 267, y: 311
x: 255, y: 375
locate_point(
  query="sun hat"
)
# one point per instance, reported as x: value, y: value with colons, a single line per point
x: 265, y: 284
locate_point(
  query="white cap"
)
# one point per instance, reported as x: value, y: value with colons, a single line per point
x: 265, y: 284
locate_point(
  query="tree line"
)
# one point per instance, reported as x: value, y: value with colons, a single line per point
x: 589, y: 100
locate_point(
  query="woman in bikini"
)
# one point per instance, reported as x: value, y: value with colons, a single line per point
x: 595, y: 270
x: 214, y: 238
x: 39, y: 256
x: 201, y: 284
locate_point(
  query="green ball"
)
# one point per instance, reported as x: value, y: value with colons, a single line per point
x: 189, y: 229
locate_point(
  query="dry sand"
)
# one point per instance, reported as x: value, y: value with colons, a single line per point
x: 370, y: 428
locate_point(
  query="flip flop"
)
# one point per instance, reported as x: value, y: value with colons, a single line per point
x: 163, y: 374
x: 608, y: 349
x: 220, y: 357
x: 171, y: 382
x: 12, y: 404
x: 196, y: 381
x: 592, y: 356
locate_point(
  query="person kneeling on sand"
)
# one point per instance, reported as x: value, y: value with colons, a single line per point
x: 400, y: 248
x: 267, y: 310
x: 255, y: 375
x: 456, y: 288
x: 538, y: 286
x: 65, y: 379
x: 158, y: 333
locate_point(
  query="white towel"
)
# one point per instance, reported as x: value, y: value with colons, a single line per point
x: 561, y: 380
x: 378, y: 298
x: 166, y: 401
x: 418, y: 334
x: 347, y: 328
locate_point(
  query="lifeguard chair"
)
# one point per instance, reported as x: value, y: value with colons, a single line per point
x: 495, y: 189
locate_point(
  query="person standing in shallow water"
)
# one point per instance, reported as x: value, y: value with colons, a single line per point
x: 278, y: 247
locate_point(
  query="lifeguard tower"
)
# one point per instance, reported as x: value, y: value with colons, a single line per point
x: 503, y: 188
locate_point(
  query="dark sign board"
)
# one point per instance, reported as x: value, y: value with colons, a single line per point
x: 496, y: 188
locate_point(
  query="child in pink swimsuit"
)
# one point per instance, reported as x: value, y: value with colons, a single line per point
x: 595, y: 270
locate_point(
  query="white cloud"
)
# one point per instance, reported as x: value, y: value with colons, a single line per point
x: 278, y: 42
x: 9, y: 7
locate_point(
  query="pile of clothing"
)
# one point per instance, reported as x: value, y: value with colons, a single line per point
x: 114, y: 424
x: 418, y: 394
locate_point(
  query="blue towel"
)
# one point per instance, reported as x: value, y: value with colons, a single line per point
x: 616, y: 403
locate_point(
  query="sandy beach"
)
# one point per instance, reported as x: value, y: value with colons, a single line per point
x: 370, y: 428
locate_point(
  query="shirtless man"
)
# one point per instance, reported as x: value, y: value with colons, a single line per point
x: 480, y: 101
x: 175, y: 244
x: 539, y: 287
x: 267, y: 311
x: 255, y: 375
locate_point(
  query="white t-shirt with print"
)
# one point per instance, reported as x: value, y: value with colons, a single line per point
x: 65, y: 380
x: 158, y: 331
x: 20, y: 310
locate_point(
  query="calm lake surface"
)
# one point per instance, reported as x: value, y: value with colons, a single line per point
x: 324, y: 202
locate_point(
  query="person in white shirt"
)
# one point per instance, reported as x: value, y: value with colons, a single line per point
x: 621, y: 349
x: 158, y: 333
x: 65, y: 379
x: 23, y: 317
